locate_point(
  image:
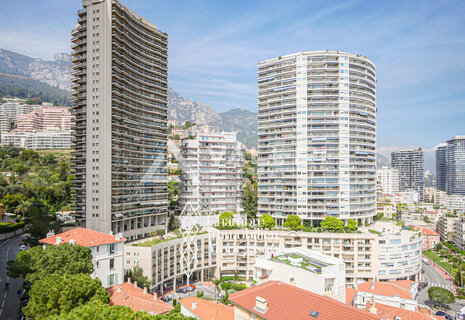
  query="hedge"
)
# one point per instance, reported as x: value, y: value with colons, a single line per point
x: 440, y: 295
x: 453, y: 248
x: 5, y: 228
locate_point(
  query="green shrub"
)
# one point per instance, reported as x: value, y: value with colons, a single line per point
x: 440, y: 295
x: 9, y: 227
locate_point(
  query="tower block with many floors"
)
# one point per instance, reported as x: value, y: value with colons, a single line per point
x: 120, y: 71
x: 317, y: 136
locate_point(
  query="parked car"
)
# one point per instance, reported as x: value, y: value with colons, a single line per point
x: 22, y: 247
x: 181, y: 290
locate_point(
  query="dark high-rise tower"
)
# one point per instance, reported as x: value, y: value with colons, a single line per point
x: 120, y: 89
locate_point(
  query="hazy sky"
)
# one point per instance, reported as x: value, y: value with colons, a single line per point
x: 214, y: 46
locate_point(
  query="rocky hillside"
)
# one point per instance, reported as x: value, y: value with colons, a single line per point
x: 182, y: 109
x: 240, y: 120
x: 56, y: 73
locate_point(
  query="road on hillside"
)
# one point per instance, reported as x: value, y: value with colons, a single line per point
x: 9, y: 300
x: 435, y: 279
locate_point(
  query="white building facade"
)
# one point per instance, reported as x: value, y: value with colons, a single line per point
x: 388, y: 179
x: 317, y: 136
x: 307, y: 269
x: 212, y: 172
x: 50, y: 139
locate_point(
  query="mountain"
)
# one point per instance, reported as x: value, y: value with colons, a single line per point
x: 382, y: 161
x: 182, y: 109
x: 56, y: 73
x: 240, y: 120
x: 25, y: 87
x: 243, y: 121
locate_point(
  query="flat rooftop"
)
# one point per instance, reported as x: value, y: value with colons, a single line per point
x: 300, y: 260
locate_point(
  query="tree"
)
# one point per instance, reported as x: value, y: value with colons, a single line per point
x: 351, y: 225
x: 426, y: 219
x: 137, y: 274
x: 57, y: 294
x: 293, y: 222
x: 332, y: 223
x: 438, y: 246
x: 267, y: 222
x: 250, y: 202
x: 226, y: 221
x: 34, y: 264
x: 173, y: 193
x: 174, y: 223
x: 440, y: 295
x: 97, y: 310
x: 22, y: 208
x: 39, y: 222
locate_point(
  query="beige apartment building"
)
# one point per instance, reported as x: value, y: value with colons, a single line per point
x: 119, y: 97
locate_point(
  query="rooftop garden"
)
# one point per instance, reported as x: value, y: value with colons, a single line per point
x: 301, y: 261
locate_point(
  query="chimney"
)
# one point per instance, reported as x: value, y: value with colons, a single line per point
x: 72, y: 241
x: 261, y: 304
x: 155, y: 295
x: 145, y: 290
x: 135, y: 284
x: 373, y: 286
x: 50, y: 234
x: 118, y: 236
x: 111, y: 233
x: 118, y: 289
x: 194, y: 305
x: 372, y: 307
x: 58, y: 240
x: 129, y: 279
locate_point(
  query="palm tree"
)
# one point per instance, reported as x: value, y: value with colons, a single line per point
x: 23, y: 208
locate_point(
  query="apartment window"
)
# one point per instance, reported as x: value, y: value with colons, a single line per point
x: 112, y: 248
x: 112, y: 279
x: 112, y: 264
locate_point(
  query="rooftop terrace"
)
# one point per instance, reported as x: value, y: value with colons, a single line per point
x: 301, y: 261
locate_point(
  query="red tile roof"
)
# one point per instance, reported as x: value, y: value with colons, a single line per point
x: 388, y: 289
x: 350, y: 295
x: 427, y: 231
x: 390, y: 313
x: 129, y: 295
x: 208, y: 310
x: 289, y: 302
x: 83, y: 237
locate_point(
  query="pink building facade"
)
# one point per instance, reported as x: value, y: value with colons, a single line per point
x: 429, y: 238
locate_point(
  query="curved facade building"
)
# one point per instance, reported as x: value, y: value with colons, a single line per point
x: 120, y: 103
x: 317, y: 136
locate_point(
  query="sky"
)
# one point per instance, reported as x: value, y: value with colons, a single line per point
x: 418, y: 48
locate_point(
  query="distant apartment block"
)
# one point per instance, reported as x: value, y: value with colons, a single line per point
x: 388, y: 179
x: 446, y: 228
x: 51, y: 139
x: 45, y: 118
x: 317, y: 136
x: 212, y: 171
x: 119, y: 97
x: 459, y: 233
x: 14, y: 109
x: 410, y: 165
x: 450, y: 166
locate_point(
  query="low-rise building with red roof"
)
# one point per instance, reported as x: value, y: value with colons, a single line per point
x: 430, y: 238
x: 276, y: 300
x: 205, y: 310
x: 130, y: 295
x: 398, y: 294
x: 391, y: 313
x: 107, y: 252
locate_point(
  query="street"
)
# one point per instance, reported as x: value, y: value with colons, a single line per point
x: 9, y: 300
x: 435, y: 279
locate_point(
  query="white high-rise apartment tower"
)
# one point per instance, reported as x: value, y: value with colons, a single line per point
x: 212, y: 174
x: 317, y: 136
x: 119, y: 63
x: 388, y: 178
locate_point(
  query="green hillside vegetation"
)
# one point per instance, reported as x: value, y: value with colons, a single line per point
x: 27, y: 175
x: 11, y: 86
x: 243, y: 121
